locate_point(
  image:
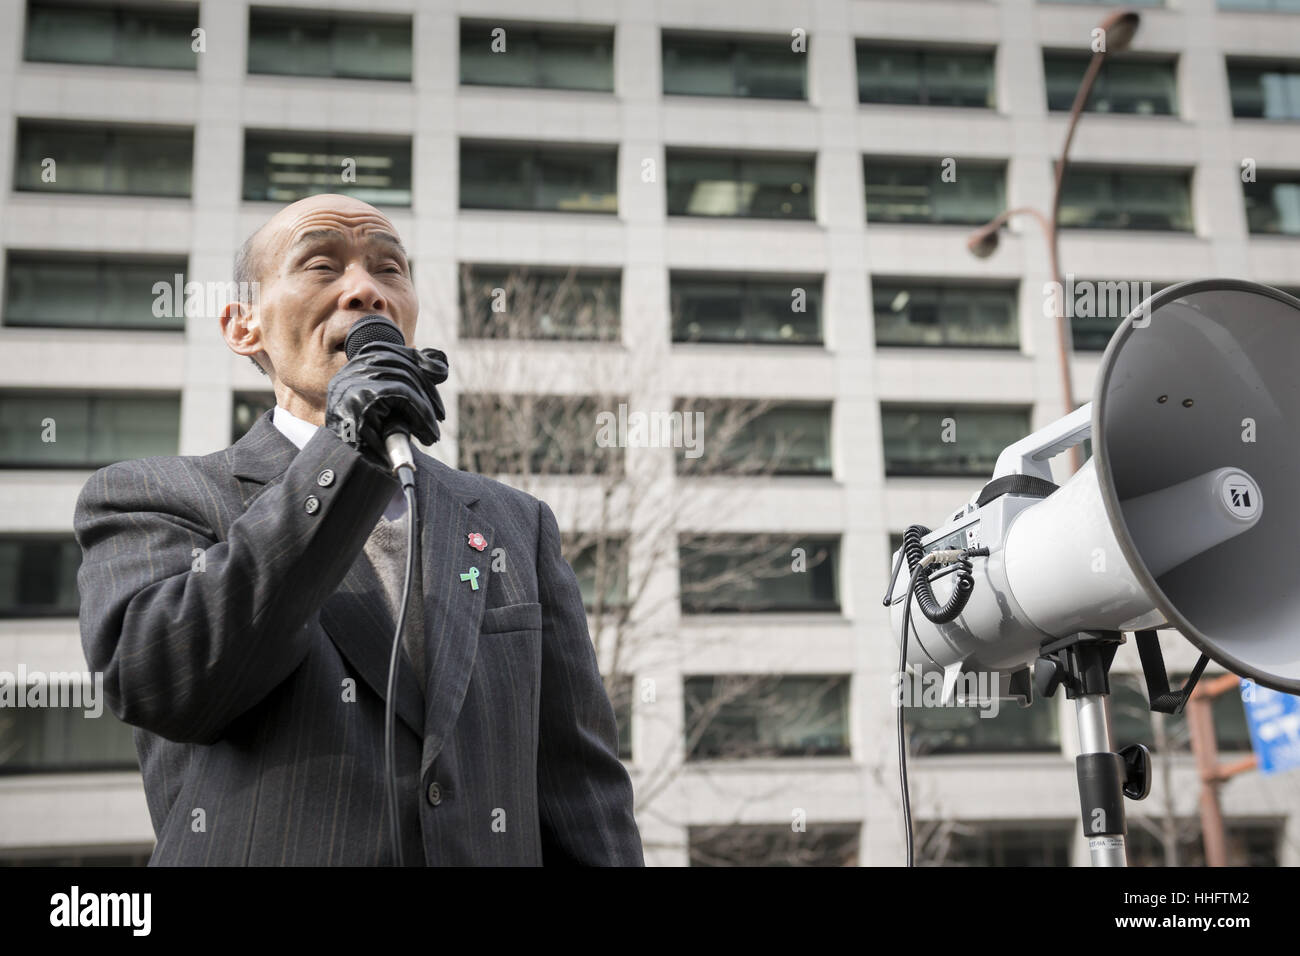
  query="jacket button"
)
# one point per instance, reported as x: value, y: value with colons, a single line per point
x: 325, y: 478
x: 435, y: 793
x: 312, y: 505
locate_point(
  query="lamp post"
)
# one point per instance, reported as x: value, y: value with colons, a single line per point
x: 1119, y: 29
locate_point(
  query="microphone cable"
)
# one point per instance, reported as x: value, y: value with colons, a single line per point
x: 407, y: 476
x: 921, y: 566
x: 378, y: 328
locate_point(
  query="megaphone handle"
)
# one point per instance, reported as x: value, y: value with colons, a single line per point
x: 1164, y: 700
x: 1030, y: 455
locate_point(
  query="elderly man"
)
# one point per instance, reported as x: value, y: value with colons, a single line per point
x: 242, y: 606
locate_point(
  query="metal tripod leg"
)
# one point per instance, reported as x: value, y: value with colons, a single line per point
x: 1081, y: 663
x: 1101, y: 783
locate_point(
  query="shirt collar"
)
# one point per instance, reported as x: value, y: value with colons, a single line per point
x: 294, y: 428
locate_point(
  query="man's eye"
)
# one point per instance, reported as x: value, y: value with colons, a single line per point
x: 320, y: 265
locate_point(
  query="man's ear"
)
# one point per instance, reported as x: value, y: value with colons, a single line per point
x: 241, y: 328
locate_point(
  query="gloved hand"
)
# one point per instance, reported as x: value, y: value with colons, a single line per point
x: 381, y: 384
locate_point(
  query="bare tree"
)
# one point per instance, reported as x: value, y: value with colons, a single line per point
x: 631, y: 525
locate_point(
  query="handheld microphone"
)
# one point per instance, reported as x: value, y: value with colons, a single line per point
x: 397, y: 438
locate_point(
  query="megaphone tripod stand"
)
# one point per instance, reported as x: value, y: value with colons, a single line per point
x: 1081, y: 664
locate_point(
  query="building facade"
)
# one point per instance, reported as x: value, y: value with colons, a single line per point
x: 764, y: 204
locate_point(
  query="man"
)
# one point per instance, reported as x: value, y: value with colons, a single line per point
x: 242, y: 606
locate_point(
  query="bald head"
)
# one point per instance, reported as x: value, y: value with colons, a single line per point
x: 248, y: 258
x: 319, y: 265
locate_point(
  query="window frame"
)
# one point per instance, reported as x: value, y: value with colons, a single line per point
x: 747, y: 283
x: 1144, y: 58
x: 536, y: 31
x: 103, y: 262
x: 737, y: 160
x: 332, y: 19
x: 175, y: 12
x: 941, y: 410
x: 1113, y: 174
x: 531, y: 152
x: 736, y: 46
x: 113, y: 134
x: 898, y: 163
x: 924, y: 52
x: 951, y: 286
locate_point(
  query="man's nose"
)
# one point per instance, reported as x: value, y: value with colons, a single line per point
x: 362, y: 293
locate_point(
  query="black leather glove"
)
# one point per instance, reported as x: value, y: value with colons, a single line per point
x: 384, y: 383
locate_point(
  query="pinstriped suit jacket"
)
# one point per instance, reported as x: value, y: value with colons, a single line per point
x: 256, y: 678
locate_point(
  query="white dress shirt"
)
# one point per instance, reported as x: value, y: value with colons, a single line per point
x: 300, y: 432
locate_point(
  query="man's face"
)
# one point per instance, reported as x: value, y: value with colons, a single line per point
x: 324, y: 262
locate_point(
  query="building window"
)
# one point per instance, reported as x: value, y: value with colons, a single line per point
x: 756, y: 844
x: 959, y: 441
x: 1249, y: 843
x: 925, y: 312
x: 95, y: 158
x: 64, y: 739
x: 749, y: 309
x: 924, y: 77
x: 923, y: 191
x: 285, y: 167
x: 57, y: 429
x: 564, y: 58
x: 700, y: 65
x: 600, y: 563
x: 758, y: 438
x: 969, y: 843
x: 72, y: 291
x: 522, y: 302
x: 38, y: 576
x: 740, y: 716
x: 247, y: 408
x: 1144, y: 86
x: 1095, y: 198
x: 932, y: 731
x: 755, y: 187
x: 1273, y: 203
x: 1265, y: 90
x: 1134, y: 723
x: 542, y: 178
x: 112, y: 34
x: 530, y: 434
x: 306, y: 43
x: 1096, y: 308
x: 747, y: 573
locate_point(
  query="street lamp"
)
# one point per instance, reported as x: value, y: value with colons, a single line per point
x: 1119, y: 29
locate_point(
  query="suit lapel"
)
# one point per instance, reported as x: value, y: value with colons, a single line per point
x: 358, y: 620
x: 453, y: 608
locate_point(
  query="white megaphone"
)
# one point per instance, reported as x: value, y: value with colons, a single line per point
x: 1193, y: 424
